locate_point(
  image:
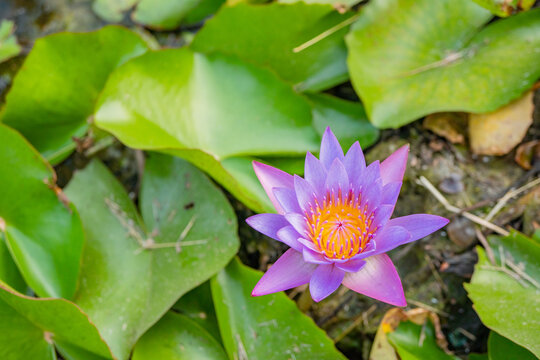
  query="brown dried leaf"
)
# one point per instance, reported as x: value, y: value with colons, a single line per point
x: 382, y: 349
x: 526, y: 152
x: 450, y: 126
x: 498, y: 132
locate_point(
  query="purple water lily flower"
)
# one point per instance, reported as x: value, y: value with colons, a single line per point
x: 337, y: 223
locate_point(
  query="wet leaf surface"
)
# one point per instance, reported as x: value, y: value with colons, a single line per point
x: 160, y: 259
x: 44, y: 238
x: 406, y: 67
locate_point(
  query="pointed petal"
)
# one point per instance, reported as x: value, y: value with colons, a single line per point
x: 289, y: 236
x: 390, y: 237
x: 270, y: 178
x: 287, y: 199
x: 268, y: 224
x: 377, y: 279
x: 351, y: 265
x: 325, y: 280
x: 308, y: 243
x: 371, y: 195
x: 393, y: 168
x: 289, y: 271
x: 330, y: 149
x: 382, y: 214
x: 355, y: 164
x: 298, y: 222
x: 390, y: 193
x: 370, y: 175
x: 337, y: 178
x: 313, y: 257
x: 419, y: 225
x: 315, y: 174
x: 305, y: 193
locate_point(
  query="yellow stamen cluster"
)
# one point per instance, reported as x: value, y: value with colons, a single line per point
x: 338, y: 226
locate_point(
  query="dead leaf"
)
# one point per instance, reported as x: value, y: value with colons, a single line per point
x: 498, y: 132
x: 526, y: 152
x: 382, y: 349
x: 449, y: 125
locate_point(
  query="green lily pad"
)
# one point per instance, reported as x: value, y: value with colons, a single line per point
x: 8, y: 42
x: 135, y: 268
x: 169, y: 14
x: 417, y: 342
x: 212, y: 110
x: 69, y: 69
x: 266, y: 327
x: 500, y: 348
x: 9, y: 273
x: 509, y: 305
x: 176, y: 337
x: 437, y: 58
x: 44, y: 237
x: 347, y: 119
x: 274, y: 31
x: 199, y: 307
x: 30, y: 327
x: 505, y: 8
x: 112, y: 10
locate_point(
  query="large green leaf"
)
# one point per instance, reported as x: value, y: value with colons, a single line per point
x: 112, y: 10
x: 9, y: 273
x: 127, y: 281
x: 199, y: 307
x: 417, y: 342
x: 176, y: 337
x: 30, y: 327
x: 267, y: 34
x: 436, y: 59
x: 169, y: 14
x: 44, y: 234
x: 54, y: 93
x: 266, y: 327
x: 500, y: 348
x: 8, y: 42
x: 347, y: 119
x: 211, y: 110
x: 504, y: 304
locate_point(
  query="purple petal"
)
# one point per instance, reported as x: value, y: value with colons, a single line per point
x: 337, y: 178
x: 268, y: 224
x: 289, y: 236
x: 307, y: 243
x: 330, y: 149
x: 325, y: 280
x: 351, y: 265
x: 372, y: 174
x: 390, y: 193
x: 298, y: 222
x: 288, y: 271
x: 390, y: 237
x: 305, y: 193
x: 355, y: 164
x: 382, y: 214
x: 287, y: 199
x: 270, y: 178
x: 377, y: 279
x: 313, y: 257
x: 371, y: 195
x: 419, y: 225
x: 393, y: 168
x: 315, y: 174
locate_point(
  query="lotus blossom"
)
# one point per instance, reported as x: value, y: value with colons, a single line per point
x: 336, y: 221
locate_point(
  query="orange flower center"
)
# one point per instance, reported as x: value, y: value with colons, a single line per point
x: 338, y: 227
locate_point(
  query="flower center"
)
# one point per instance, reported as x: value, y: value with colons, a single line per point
x: 339, y: 227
